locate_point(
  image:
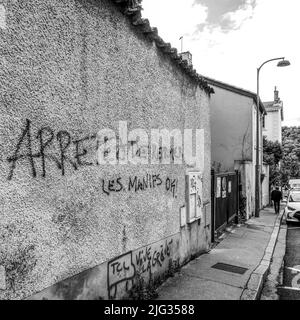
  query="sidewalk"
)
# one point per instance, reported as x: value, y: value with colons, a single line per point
x: 249, y: 246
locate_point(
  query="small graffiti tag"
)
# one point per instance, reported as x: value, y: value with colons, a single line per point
x: 146, y: 259
x: 123, y: 270
x: 119, y: 270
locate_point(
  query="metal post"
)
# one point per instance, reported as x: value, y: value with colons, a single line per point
x: 212, y: 222
x: 257, y: 164
x: 181, y: 38
x: 237, y: 197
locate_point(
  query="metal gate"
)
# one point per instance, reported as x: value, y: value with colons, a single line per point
x: 225, y: 199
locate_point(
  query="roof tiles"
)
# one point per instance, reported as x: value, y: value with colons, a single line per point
x: 132, y: 9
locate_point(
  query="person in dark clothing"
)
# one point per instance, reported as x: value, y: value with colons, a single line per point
x: 276, y: 197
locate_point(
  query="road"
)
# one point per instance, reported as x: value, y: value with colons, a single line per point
x: 290, y: 289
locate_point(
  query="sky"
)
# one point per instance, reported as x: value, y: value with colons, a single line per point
x: 230, y: 39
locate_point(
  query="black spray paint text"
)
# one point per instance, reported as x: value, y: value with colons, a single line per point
x: 139, y: 184
x: 52, y: 147
x: 67, y: 152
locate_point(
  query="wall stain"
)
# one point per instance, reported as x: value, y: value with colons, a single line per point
x: 19, y: 266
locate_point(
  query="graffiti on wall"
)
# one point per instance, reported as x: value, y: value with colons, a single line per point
x: 122, y: 270
x: 140, y: 184
x: 44, y: 148
x: 64, y: 151
x: 50, y: 146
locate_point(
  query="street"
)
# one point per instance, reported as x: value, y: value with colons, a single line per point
x: 290, y: 289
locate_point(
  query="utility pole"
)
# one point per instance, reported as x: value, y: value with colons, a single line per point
x: 282, y: 63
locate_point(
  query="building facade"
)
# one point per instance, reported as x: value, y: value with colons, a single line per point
x: 273, y: 118
x: 233, y: 134
x: 85, y: 88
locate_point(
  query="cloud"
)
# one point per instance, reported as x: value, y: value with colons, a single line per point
x: 260, y: 30
x: 225, y: 15
x: 174, y: 18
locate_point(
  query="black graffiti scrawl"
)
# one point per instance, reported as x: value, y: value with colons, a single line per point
x: 45, y: 147
x: 122, y: 270
x: 66, y: 151
x: 26, y: 139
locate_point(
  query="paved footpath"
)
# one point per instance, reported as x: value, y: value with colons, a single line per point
x: 249, y: 246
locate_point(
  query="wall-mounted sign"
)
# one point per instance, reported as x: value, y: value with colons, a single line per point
x: 182, y: 216
x: 229, y: 186
x: 218, y: 193
x: 224, y: 185
x: 195, y: 203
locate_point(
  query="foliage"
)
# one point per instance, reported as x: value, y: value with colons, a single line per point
x: 291, y: 153
x: 288, y: 155
x: 272, y: 152
x: 141, y: 290
x: 272, y: 155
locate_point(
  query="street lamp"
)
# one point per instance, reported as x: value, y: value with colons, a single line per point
x: 282, y: 63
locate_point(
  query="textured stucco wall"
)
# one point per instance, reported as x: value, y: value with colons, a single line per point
x: 72, y: 68
x: 231, y: 128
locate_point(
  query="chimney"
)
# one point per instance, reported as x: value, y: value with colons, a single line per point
x: 187, y: 56
x: 276, y: 97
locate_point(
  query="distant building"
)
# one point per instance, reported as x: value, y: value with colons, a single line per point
x: 273, y: 119
x: 233, y: 135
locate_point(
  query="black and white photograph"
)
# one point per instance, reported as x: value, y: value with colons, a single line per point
x: 149, y: 153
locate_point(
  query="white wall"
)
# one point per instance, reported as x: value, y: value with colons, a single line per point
x: 273, y: 126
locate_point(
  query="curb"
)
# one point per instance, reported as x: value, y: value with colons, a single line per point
x: 258, y: 276
x: 274, y: 278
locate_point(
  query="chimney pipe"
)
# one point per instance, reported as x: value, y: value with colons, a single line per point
x: 276, y: 97
x: 187, y: 56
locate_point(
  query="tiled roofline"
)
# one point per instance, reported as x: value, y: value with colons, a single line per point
x: 238, y: 90
x: 132, y: 9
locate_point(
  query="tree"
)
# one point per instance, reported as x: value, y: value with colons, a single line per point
x: 272, y: 155
x: 272, y: 151
x: 291, y: 153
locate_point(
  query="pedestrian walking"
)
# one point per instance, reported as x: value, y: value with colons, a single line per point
x: 276, y: 197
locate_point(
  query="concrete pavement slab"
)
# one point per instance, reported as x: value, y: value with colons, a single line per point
x: 237, y: 256
x: 184, y: 287
x: 202, y: 269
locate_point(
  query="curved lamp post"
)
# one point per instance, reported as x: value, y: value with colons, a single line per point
x: 282, y: 63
